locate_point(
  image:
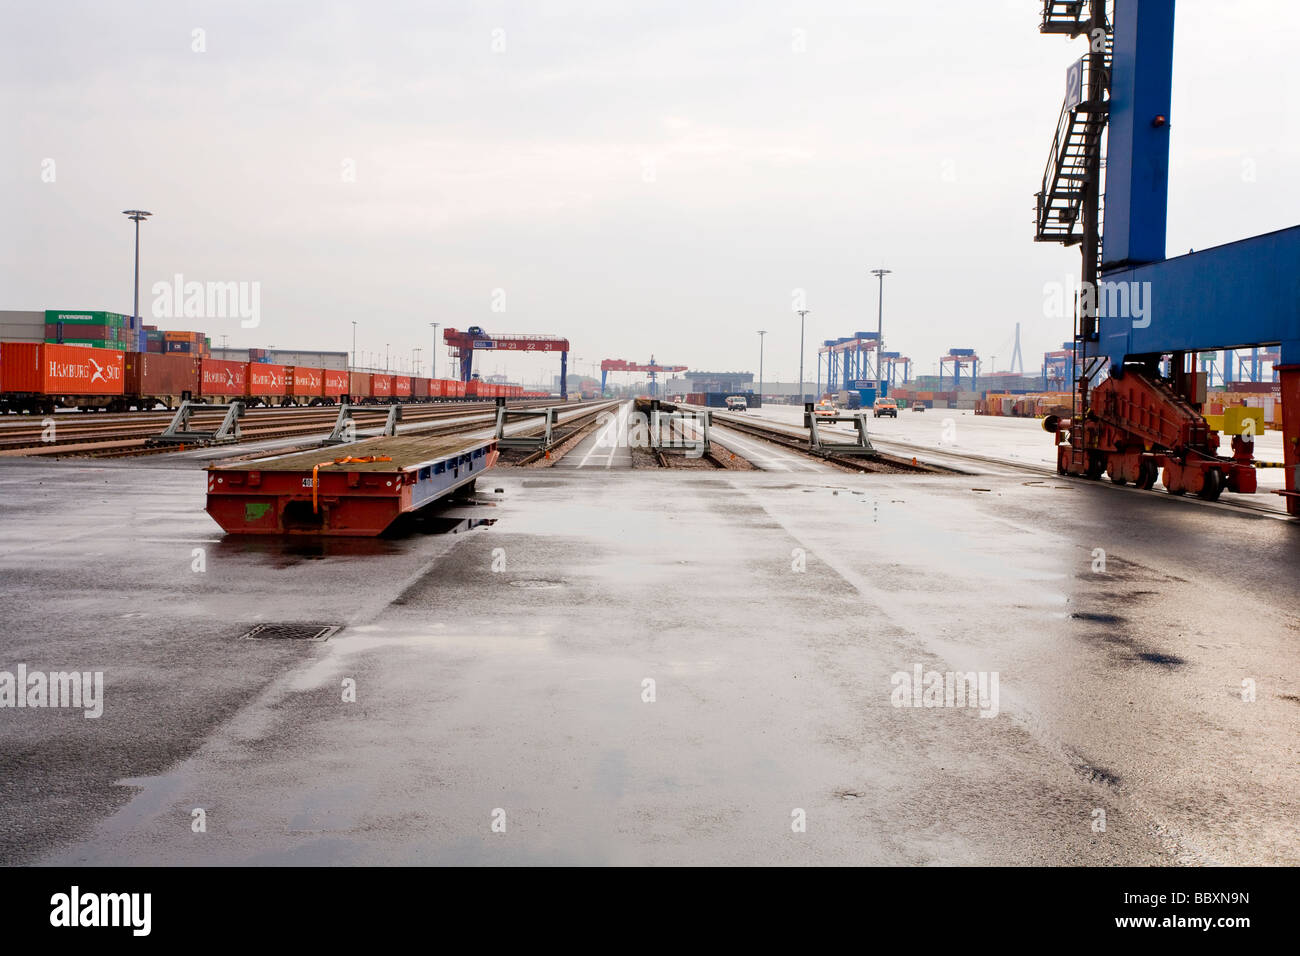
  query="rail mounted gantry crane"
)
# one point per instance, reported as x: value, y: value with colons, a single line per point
x: 1058, y: 369
x: 958, y: 358
x: 462, y: 346
x: 889, y: 363
x: 1141, y: 421
x: 653, y: 368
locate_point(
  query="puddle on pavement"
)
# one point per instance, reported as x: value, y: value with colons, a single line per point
x: 292, y: 549
x: 296, y: 548
x: 438, y: 525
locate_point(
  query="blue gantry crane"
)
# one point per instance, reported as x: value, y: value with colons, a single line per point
x: 1142, y: 319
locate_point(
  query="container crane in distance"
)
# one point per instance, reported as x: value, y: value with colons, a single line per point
x: 621, y: 365
x: 462, y: 346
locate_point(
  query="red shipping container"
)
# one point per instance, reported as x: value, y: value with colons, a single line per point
x: 360, y: 385
x: 218, y: 379
x: 266, y: 380
x: 420, y: 387
x: 462, y: 388
x: 336, y: 383
x: 158, y: 376
x: 46, y: 369
x: 402, y: 386
x: 304, y: 382
x: 382, y: 385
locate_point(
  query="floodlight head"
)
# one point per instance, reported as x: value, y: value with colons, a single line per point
x: 139, y: 215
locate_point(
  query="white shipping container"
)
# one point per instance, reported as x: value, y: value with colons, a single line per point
x: 22, y: 326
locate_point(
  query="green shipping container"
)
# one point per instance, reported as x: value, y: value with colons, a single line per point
x: 92, y: 343
x: 72, y: 317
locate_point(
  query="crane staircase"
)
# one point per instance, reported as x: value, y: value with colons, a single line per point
x: 1076, y: 154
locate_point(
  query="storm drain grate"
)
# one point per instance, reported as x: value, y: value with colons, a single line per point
x: 291, y: 632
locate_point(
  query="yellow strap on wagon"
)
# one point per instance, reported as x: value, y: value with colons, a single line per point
x: 315, y: 478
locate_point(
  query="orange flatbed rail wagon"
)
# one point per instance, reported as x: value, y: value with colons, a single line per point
x: 358, y: 494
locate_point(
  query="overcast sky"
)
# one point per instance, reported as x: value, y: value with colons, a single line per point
x: 657, y: 180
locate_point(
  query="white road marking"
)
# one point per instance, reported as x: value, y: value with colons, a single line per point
x: 608, y: 437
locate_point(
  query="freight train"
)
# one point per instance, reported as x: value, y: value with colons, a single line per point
x: 40, y: 377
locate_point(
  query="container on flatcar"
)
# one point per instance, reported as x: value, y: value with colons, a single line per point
x: 42, y: 368
x: 335, y: 385
x: 169, y: 379
x: 359, y: 386
x: 266, y: 381
x: 304, y: 383
x: 222, y: 381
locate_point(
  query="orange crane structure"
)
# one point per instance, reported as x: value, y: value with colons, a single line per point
x: 622, y: 365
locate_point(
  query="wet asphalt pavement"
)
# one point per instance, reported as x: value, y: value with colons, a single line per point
x: 501, y: 675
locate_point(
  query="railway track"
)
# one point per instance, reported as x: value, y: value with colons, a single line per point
x: 117, y: 438
x: 678, y: 430
x: 792, y: 439
x: 566, y: 433
x: 882, y: 462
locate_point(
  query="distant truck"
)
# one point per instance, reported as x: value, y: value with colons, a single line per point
x: 736, y: 403
x: 886, y: 406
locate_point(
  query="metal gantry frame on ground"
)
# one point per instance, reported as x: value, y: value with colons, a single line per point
x: 179, y: 431
x: 694, y: 441
x: 345, y: 426
x: 550, y: 416
x: 862, y: 447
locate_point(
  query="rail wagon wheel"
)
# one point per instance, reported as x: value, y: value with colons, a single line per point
x: 1213, y: 485
x: 1096, y: 465
x: 1147, y: 474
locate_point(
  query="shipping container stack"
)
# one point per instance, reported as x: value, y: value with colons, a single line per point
x: 101, y: 330
x: 22, y: 326
x: 185, y: 343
